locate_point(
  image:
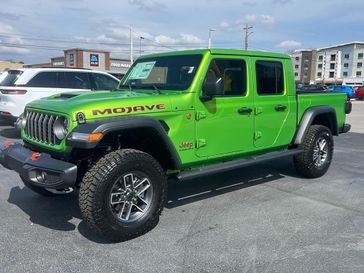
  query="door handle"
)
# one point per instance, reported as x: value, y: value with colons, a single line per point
x: 280, y: 107
x: 245, y: 110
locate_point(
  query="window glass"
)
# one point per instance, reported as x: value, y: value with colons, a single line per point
x: 104, y: 82
x: 164, y: 72
x: 269, y: 77
x: 74, y: 80
x: 44, y: 79
x: 233, y: 73
x: 9, y: 78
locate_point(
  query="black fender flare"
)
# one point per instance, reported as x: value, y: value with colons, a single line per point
x: 119, y: 124
x: 309, y: 116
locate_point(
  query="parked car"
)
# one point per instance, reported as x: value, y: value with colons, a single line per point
x: 21, y: 86
x: 348, y: 90
x: 359, y: 93
x: 313, y: 88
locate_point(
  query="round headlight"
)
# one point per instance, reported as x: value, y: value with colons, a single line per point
x: 21, y: 122
x: 60, y: 128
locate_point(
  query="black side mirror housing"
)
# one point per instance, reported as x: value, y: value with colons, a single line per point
x: 212, y: 87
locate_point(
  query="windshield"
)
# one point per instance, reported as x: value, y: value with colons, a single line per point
x: 10, y: 78
x: 167, y: 72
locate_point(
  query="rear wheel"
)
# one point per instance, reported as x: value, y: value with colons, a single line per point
x: 123, y: 194
x: 316, y: 157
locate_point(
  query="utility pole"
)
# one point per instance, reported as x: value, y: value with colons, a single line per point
x: 247, y: 29
x: 131, y: 44
x: 210, y: 31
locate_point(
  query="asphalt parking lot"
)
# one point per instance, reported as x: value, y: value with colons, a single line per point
x: 258, y: 219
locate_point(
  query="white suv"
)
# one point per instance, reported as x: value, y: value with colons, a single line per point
x: 21, y: 86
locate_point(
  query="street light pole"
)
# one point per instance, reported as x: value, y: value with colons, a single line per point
x: 131, y: 44
x: 247, y: 29
x: 140, y: 45
x: 210, y: 31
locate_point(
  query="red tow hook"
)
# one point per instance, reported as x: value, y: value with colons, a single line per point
x: 8, y: 144
x: 35, y: 156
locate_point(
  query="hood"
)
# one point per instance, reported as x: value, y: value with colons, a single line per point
x: 101, y: 104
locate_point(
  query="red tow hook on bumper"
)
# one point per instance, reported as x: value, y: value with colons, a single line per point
x: 35, y: 156
x: 8, y: 144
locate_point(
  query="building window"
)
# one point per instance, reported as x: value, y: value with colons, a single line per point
x: 319, y: 66
x: 320, y: 58
x: 346, y: 56
x: 332, y: 74
x: 333, y: 57
x: 297, y: 58
x: 296, y: 74
x: 358, y: 73
x: 359, y: 65
x: 319, y: 74
x: 346, y: 65
x: 332, y: 66
x: 345, y: 74
x: 360, y: 55
x: 296, y: 66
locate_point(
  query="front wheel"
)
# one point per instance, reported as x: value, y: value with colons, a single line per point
x: 123, y: 194
x: 318, y: 147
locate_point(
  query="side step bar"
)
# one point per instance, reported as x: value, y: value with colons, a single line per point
x: 235, y: 164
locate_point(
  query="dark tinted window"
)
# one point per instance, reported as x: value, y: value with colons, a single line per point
x: 269, y: 77
x: 104, y: 82
x: 43, y: 79
x: 11, y: 77
x: 74, y: 80
x: 233, y: 73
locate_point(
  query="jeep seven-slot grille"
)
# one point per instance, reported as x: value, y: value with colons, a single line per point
x: 39, y: 127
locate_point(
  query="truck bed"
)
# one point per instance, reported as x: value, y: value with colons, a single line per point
x: 316, y: 98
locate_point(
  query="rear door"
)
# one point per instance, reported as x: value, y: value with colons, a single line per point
x: 274, y: 108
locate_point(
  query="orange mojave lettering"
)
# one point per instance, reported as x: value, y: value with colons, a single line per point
x: 127, y: 109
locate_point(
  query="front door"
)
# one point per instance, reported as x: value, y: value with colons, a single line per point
x: 225, y: 124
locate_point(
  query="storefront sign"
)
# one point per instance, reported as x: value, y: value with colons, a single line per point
x: 94, y: 59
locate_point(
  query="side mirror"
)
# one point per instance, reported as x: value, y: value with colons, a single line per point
x: 212, y: 87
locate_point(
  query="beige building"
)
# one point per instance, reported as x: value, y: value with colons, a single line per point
x: 304, y: 63
x: 6, y: 65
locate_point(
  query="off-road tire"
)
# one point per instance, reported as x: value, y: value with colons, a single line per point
x: 304, y: 162
x: 99, y: 181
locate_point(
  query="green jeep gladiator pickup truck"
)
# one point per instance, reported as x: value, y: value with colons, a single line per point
x: 183, y: 114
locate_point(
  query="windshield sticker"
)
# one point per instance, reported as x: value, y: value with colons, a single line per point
x: 141, y: 71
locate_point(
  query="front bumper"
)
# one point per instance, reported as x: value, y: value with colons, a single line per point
x: 38, y: 169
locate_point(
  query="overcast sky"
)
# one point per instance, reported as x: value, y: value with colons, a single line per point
x: 35, y: 30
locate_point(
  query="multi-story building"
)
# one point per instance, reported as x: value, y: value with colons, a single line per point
x: 304, y: 63
x: 342, y: 64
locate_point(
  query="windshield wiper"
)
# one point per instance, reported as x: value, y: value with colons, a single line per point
x: 156, y: 89
x: 125, y: 85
